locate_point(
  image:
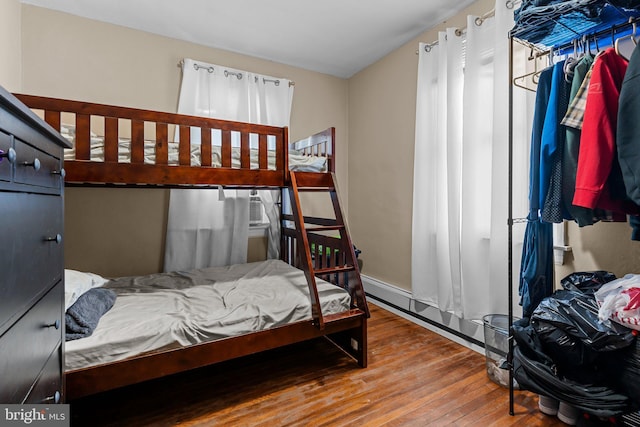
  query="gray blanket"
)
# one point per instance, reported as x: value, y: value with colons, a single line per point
x: 83, y: 316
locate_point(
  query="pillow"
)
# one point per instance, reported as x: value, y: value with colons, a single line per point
x: 77, y: 283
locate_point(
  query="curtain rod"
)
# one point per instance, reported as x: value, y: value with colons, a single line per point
x: 460, y: 31
x: 228, y: 73
x: 512, y: 3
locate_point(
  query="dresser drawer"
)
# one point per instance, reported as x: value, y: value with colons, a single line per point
x: 5, y: 166
x: 35, y: 167
x: 31, y: 261
x: 30, y: 342
x: 48, y: 387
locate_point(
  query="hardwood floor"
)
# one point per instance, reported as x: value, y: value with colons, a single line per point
x: 414, y: 378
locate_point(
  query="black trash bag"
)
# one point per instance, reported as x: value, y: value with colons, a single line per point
x: 542, y: 378
x: 587, y: 282
x: 570, y: 333
x: 628, y: 367
x: 597, y: 388
x: 526, y: 338
x: 576, y: 314
x: 535, y: 371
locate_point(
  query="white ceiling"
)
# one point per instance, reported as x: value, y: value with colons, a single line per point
x: 337, y: 37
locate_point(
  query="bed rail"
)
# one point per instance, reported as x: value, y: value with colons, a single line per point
x: 138, y: 146
x: 321, y: 144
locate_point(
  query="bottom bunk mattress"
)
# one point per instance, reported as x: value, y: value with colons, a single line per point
x: 171, y: 310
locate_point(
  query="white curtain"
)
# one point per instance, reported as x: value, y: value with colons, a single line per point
x: 207, y: 228
x: 460, y: 209
x: 230, y: 94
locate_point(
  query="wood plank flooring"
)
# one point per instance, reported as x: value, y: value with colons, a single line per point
x: 414, y: 378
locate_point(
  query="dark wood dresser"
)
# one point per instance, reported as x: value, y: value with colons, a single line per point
x: 31, y: 256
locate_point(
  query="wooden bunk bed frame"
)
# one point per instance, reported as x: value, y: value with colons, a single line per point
x: 308, y: 243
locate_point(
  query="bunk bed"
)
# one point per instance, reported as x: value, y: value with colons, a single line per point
x: 562, y: 27
x: 120, y: 146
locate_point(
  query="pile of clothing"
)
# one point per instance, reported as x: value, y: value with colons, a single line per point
x: 550, y: 22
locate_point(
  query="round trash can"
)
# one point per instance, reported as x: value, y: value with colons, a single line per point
x: 496, y: 346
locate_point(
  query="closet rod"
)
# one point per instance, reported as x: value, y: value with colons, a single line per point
x: 600, y: 34
x: 545, y: 50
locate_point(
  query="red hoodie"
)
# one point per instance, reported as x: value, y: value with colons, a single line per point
x: 598, y: 138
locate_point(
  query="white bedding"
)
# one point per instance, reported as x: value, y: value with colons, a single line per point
x: 297, y: 160
x: 170, y: 310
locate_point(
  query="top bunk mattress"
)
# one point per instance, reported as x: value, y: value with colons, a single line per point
x: 298, y: 160
x: 171, y: 310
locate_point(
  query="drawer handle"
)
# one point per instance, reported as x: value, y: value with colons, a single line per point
x: 57, y: 238
x: 35, y: 164
x: 55, y: 324
x: 9, y: 155
x: 55, y: 398
x: 61, y: 172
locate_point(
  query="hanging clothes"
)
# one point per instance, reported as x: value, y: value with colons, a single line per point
x: 553, y: 141
x: 626, y: 138
x: 628, y: 128
x: 573, y: 121
x: 573, y: 128
x: 543, y: 93
x: 536, y: 268
x: 598, y: 177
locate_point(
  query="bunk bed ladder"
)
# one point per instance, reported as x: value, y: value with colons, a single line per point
x: 325, y: 247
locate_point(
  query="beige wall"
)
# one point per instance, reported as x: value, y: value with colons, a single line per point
x: 121, y: 232
x: 603, y: 246
x: 115, y: 231
x: 10, y: 45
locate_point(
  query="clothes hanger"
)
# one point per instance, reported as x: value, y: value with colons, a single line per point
x: 534, y: 74
x: 587, y: 46
x: 632, y: 36
x: 523, y: 77
x: 573, y: 59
